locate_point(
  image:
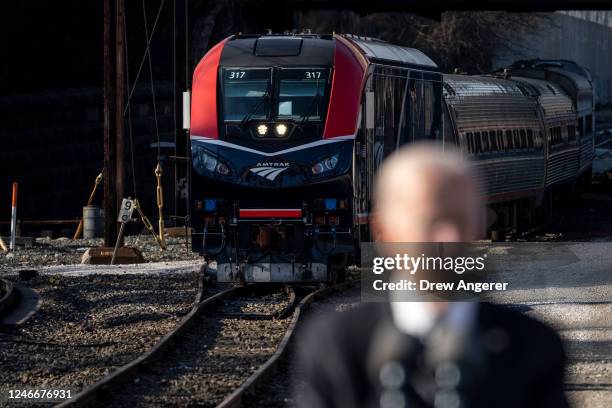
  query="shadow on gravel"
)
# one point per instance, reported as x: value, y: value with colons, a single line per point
x: 171, y: 370
x: 90, y: 325
x: 596, y: 351
x: 137, y: 318
x: 588, y: 387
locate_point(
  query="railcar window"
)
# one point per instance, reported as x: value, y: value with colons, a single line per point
x: 478, y: 144
x: 571, y: 133
x: 469, y: 142
x: 485, y: 142
x: 500, y: 140
x: 550, y: 136
x: 523, y: 138
x: 530, y: 141
x: 580, y: 126
x: 493, y: 140
x: 245, y: 93
x: 301, y: 93
x: 540, y: 138
x: 517, y: 139
x: 555, y: 135
x: 509, y: 140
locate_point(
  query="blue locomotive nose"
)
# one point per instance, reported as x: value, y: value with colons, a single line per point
x: 241, y: 166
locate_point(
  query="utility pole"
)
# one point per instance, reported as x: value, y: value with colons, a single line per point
x: 119, y: 97
x: 114, y: 82
x: 110, y: 198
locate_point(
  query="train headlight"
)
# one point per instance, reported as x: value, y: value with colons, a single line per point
x: 262, y: 130
x: 281, y: 130
x: 324, y: 165
x: 205, y: 160
x: 222, y: 169
x: 331, y: 162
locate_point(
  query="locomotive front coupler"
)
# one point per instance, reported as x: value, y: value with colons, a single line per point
x: 222, y: 235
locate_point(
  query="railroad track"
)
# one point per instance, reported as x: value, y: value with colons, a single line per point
x: 220, y: 351
x: 8, y: 296
x: 249, y: 388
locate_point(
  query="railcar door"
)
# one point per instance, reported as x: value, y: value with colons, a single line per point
x: 422, y: 118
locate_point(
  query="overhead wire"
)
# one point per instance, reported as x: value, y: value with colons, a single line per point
x: 128, y: 107
x: 148, y: 53
x: 127, y: 111
x: 175, y: 105
x: 145, y: 55
x: 158, y: 169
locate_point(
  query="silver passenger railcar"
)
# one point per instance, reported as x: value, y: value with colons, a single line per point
x: 496, y: 122
x: 577, y: 83
x: 561, y: 144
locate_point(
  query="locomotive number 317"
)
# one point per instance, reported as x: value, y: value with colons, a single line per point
x: 237, y: 74
x: 313, y: 74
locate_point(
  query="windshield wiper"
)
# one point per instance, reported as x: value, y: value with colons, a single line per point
x: 313, y: 103
x: 264, y: 98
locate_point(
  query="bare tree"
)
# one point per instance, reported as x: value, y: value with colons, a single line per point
x: 464, y: 40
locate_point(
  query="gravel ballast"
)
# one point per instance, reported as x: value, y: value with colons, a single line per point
x: 64, y: 251
x: 279, y: 390
x: 212, y: 359
x: 89, y: 325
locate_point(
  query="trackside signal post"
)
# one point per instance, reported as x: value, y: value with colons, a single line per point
x: 125, y: 215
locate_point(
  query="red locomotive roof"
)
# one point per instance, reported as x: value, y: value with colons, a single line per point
x: 348, y: 55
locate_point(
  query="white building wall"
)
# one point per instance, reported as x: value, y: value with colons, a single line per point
x: 581, y: 36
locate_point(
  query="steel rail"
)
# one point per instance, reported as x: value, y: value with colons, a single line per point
x: 249, y: 387
x: 91, y: 394
x: 281, y: 314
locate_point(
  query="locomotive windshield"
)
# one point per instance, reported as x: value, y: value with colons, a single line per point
x: 245, y: 93
x: 296, y: 94
x: 301, y: 94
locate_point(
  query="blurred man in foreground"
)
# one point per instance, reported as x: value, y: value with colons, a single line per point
x: 429, y: 354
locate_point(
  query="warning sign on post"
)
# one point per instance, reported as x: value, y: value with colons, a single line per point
x: 127, y: 208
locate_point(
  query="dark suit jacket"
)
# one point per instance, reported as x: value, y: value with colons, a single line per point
x: 333, y: 371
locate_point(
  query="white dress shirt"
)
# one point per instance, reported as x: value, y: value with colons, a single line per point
x: 418, y: 318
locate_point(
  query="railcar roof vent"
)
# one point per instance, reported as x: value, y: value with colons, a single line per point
x: 278, y: 46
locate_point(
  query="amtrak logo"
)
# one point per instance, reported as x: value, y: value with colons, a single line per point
x: 269, y: 170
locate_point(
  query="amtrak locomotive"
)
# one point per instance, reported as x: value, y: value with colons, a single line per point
x: 287, y: 132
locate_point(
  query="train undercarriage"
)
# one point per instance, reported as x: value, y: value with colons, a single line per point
x: 246, y: 242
